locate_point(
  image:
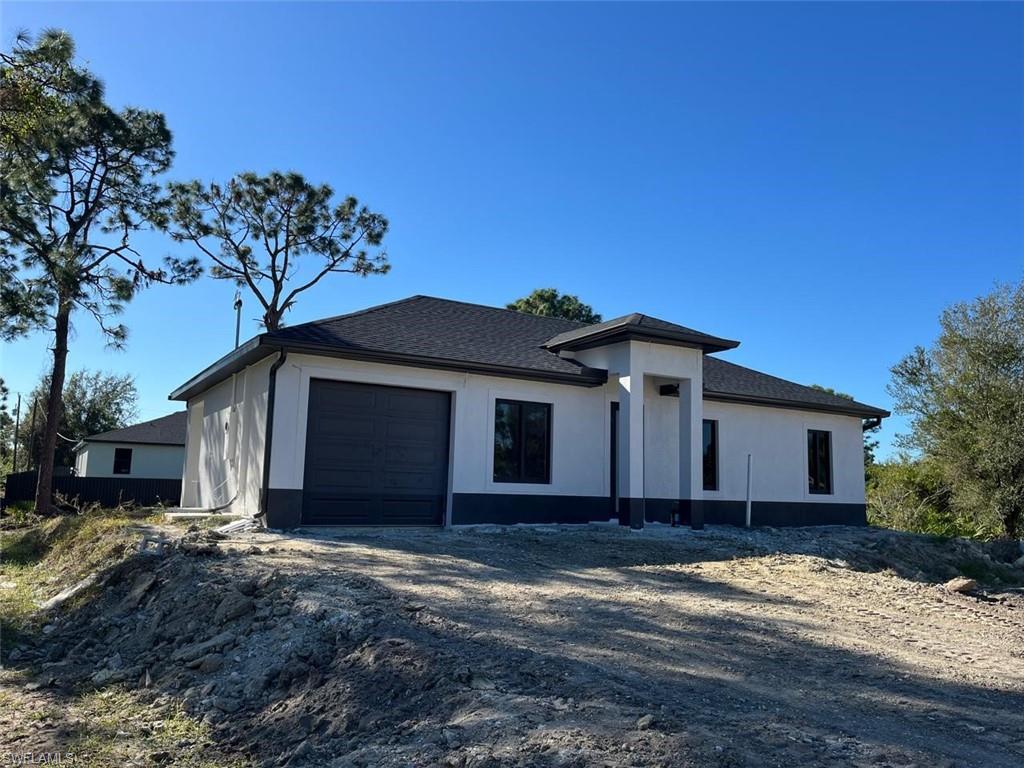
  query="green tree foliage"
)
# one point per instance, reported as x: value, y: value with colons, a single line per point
x: 256, y: 230
x: 965, y: 399
x: 910, y: 495
x: 548, y: 302
x: 78, y: 180
x: 6, y: 429
x: 93, y: 402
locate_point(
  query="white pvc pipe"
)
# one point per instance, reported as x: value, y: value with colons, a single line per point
x: 750, y: 460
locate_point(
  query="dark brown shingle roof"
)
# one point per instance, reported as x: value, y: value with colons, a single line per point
x: 727, y: 381
x: 637, y: 326
x: 430, y: 328
x: 167, y: 430
x: 455, y: 335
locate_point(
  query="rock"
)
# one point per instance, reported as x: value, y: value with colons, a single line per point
x: 234, y: 605
x: 247, y: 587
x: 197, y: 650
x: 225, y: 704
x: 481, y: 683
x: 103, y: 676
x: 960, y: 584
x: 140, y: 586
x: 645, y: 722
x: 64, y: 595
x: 211, y: 663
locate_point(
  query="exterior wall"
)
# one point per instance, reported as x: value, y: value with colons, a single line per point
x: 579, y: 424
x: 156, y: 461
x: 226, y: 431
x: 224, y: 443
x: 776, y: 438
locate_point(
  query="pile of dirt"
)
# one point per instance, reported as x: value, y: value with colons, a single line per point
x: 285, y: 678
x: 917, y: 557
x: 392, y: 650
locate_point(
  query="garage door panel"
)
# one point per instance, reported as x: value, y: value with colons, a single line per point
x: 335, y: 425
x: 335, y: 511
x: 331, y: 480
x: 411, y: 456
x: 410, y: 403
x: 409, y: 430
x: 412, y: 511
x: 420, y: 482
x: 331, y: 450
x: 375, y: 455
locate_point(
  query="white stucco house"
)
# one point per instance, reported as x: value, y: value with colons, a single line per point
x: 150, y: 449
x: 428, y: 411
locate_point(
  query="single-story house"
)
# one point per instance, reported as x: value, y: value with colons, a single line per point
x: 428, y: 411
x: 150, y: 449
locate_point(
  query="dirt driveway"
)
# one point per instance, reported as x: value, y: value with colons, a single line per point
x: 677, y: 647
x: 602, y: 647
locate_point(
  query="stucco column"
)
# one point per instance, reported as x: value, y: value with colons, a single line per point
x: 691, y: 451
x: 631, y: 449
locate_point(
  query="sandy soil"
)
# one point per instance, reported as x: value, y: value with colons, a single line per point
x: 598, y: 647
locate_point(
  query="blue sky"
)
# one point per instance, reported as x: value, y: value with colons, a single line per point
x: 816, y: 180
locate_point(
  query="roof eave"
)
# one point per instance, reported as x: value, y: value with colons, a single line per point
x: 618, y: 334
x: 587, y: 377
x: 854, y: 409
x: 239, y: 358
x: 264, y: 345
x: 88, y: 440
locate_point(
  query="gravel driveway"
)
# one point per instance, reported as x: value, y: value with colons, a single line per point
x: 593, y: 646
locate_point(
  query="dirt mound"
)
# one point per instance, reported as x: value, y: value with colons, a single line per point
x: 535, y: 648
x: 284, y: 677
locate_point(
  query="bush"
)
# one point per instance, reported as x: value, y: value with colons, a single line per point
x: 914, y: 496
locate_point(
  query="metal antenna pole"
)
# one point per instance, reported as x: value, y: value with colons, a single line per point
x: 32, y: 438
x: 238, y: 317
x: 17, y: 423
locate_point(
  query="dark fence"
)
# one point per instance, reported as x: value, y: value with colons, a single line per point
x: 107, y: 491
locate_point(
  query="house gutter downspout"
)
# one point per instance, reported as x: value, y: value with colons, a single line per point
x: 268, y: 439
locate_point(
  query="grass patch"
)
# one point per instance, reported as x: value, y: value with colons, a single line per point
x: 117, y: 726
x: 39, y: 560
x: 988, y: 572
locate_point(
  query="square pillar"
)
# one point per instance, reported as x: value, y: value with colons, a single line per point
x: 631, y: 450
x: 691, y: 471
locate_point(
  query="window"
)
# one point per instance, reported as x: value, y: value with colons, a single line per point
x: 522, y: 442
x: 122, y: 461
x: 710, y: 455
x: 819, y: 461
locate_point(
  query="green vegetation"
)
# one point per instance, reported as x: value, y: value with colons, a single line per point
x: 93, y: 402
x: 79, y: 182
x: 257, y: 230
x: 548, y: 302
x: 39, y: 560
x: 965, y: 399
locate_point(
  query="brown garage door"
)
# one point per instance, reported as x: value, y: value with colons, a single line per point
x: 375, y: 455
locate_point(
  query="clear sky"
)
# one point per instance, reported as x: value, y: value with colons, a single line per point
x: 816, y: 180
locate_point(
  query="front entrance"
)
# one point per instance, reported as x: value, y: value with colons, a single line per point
x: 375, y: 455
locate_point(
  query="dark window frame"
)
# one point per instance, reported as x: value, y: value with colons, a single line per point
x: 120, y: 468
x: 713, y: 486
x: 521, y: 478
x: 819, y: 467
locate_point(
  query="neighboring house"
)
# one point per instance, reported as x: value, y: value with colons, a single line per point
x: 151, y: 449
x: 430, y: 411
